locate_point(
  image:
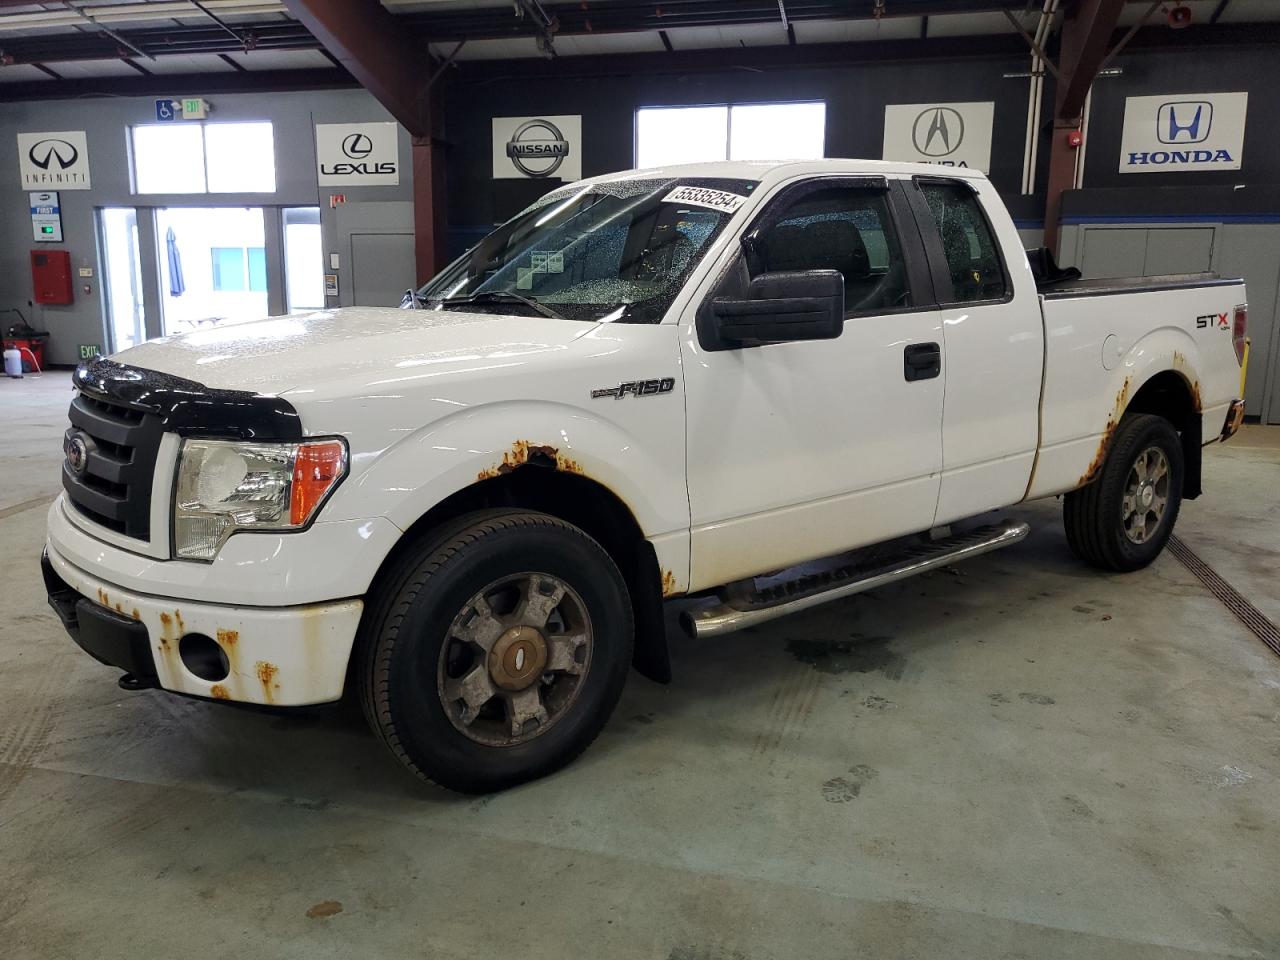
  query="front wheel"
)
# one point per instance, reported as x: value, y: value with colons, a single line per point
x: 498, y: 652
x: 1123, y: 519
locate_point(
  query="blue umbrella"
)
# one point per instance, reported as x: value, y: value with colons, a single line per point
x: 176, y: 284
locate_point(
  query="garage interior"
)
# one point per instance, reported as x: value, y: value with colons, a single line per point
x: 1017, y: 756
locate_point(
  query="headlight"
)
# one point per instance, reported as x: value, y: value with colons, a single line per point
x: 225, y: 486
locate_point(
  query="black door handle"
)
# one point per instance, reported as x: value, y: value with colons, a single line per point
x: 921, y: 361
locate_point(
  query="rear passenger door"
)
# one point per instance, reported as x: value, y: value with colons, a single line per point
x: 993, y: 338
x: 802, y: 449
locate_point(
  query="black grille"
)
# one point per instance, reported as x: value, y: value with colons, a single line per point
x: 114, y: 488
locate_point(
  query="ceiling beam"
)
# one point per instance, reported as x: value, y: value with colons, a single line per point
x: 376, y: 49
x: 252, y: 81
x: 1085, y: 38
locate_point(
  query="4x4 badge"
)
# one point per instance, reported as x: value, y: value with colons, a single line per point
x: 636, y: 388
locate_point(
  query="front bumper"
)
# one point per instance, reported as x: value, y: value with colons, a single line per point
x: 276, y: 656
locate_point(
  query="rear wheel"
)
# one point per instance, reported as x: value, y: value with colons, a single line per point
x: 1123, y: 519
x: 498, y: 652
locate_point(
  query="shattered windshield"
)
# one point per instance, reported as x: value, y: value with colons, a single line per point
x: 617, y: 251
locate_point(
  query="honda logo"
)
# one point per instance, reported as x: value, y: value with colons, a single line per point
x: 44, y: 153
x: 938, y: 131
x: 1185, y: 121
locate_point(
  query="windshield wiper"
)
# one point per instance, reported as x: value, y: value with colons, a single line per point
x: 502, y: 296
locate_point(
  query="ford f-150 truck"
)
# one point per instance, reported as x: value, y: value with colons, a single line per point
x: 757, y: 385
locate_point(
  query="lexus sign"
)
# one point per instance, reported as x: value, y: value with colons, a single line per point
x: 1183, y: 132
x: 947, y: 134
x: 355, y: 154
x: 548, y: 147
x: 54, y: 161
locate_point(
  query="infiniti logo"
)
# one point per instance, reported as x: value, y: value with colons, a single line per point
x: 938, y: 131
x: 357, y: 146
x: 48, y: 151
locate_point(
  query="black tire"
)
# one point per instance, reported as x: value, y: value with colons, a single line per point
x: 410, y: 621
x: 1094, y: 515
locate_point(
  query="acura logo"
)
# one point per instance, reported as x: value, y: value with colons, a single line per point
x: 938, y: 131
x: 537, y: 148
x: 77, y: 452
x: 49, y: 151
x: 357, y: 146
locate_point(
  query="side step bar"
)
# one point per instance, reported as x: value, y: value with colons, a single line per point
x: 810, y: 591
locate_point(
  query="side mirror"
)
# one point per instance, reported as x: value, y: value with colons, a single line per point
x: 792, y: 305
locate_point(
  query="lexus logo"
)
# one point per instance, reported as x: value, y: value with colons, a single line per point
x: 357, y: 146
x: 537, y: 148
x: 938, y: 131
x: 48, y: 151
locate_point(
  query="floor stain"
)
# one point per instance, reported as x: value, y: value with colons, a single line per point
x: 858, y: 654
x: 878, y: 703
x: 323, y: 909
x: 844, y: 789
x: 1037, y: 698
x: 998, y: 698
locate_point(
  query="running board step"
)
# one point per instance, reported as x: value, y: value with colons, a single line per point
x: 792, y: 596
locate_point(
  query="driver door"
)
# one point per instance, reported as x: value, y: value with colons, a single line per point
x: 803, y: 449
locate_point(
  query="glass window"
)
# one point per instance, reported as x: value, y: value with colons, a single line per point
x: 228, y: 268
x: 168, y: 158
x: 203, y: 158
x: 617, y: 251
x: 257, y: 259
x: 303, y: 259
x: 973, y: 259
x: 845, y: 229
x: 765, y: 131
x: 240, y: 157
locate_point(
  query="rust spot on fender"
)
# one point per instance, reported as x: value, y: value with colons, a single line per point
x: 1099, y: 458
x: 523, y: 452
x: 228, y: 638
x: 136, y: 615
x: 1195, y: 396
x: 182, y: 626
x: 668, y: 583
x: 267, y: 677
x: 166, y: 622
x: 119, y: 607
x: 219, y: 692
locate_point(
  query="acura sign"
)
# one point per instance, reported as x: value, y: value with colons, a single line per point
x: 54, y: 161
x: 539, y: 147
x: 355, y: 154
x: 1183, y: 132
x: 947, y: 134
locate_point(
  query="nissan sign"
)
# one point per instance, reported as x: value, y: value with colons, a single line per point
x: 1183, y: 132
x: 54, y: 161
x: 355, y: 154
x: 539, y: 147
x: 946, y: 134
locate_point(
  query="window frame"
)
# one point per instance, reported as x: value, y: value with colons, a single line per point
x: 935, y: 251
x: 728, y: 107
x: 902, y: 218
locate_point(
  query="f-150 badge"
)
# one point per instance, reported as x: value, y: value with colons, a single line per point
x: 636, y: 388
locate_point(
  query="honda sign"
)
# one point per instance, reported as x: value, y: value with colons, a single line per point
x: 1182, y: 132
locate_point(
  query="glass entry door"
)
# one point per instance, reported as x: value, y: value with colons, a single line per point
x: 213, y: 266
x: 122, y: 269
x: 303, y: 259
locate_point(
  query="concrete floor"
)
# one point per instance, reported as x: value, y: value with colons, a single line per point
x: 1022, y: 758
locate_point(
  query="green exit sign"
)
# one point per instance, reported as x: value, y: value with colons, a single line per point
x: 89, y: 350
x: 193, y: 108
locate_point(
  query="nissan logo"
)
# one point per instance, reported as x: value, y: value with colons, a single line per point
x: 45, y: 152
x: 357, y: 146
x: 77, y: 452
x: 938, y: 131
x: 537, y: 148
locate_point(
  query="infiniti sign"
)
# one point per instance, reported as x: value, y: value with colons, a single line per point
x: 54, y: 161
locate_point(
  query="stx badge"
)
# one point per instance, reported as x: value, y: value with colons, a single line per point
x: 1218, y: 320
x: 636, y: 388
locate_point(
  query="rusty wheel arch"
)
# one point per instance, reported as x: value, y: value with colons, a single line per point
x: 542, y: 481
x: 1175, y: 397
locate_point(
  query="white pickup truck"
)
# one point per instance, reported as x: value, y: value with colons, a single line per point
x: 721, y: 381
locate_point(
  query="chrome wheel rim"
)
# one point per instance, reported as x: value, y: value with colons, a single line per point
x: 1146, y: 495
x: 515, y: 659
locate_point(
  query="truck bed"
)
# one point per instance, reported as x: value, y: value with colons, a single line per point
x: 1062, y: 289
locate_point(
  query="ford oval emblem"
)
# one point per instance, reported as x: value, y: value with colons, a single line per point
x: 77, y: 452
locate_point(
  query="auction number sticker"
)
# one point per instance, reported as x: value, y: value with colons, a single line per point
x: 720, y: 200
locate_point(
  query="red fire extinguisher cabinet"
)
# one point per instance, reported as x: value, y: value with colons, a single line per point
x: 51, y: 276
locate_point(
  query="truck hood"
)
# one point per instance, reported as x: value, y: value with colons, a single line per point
x: 299, y: 350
